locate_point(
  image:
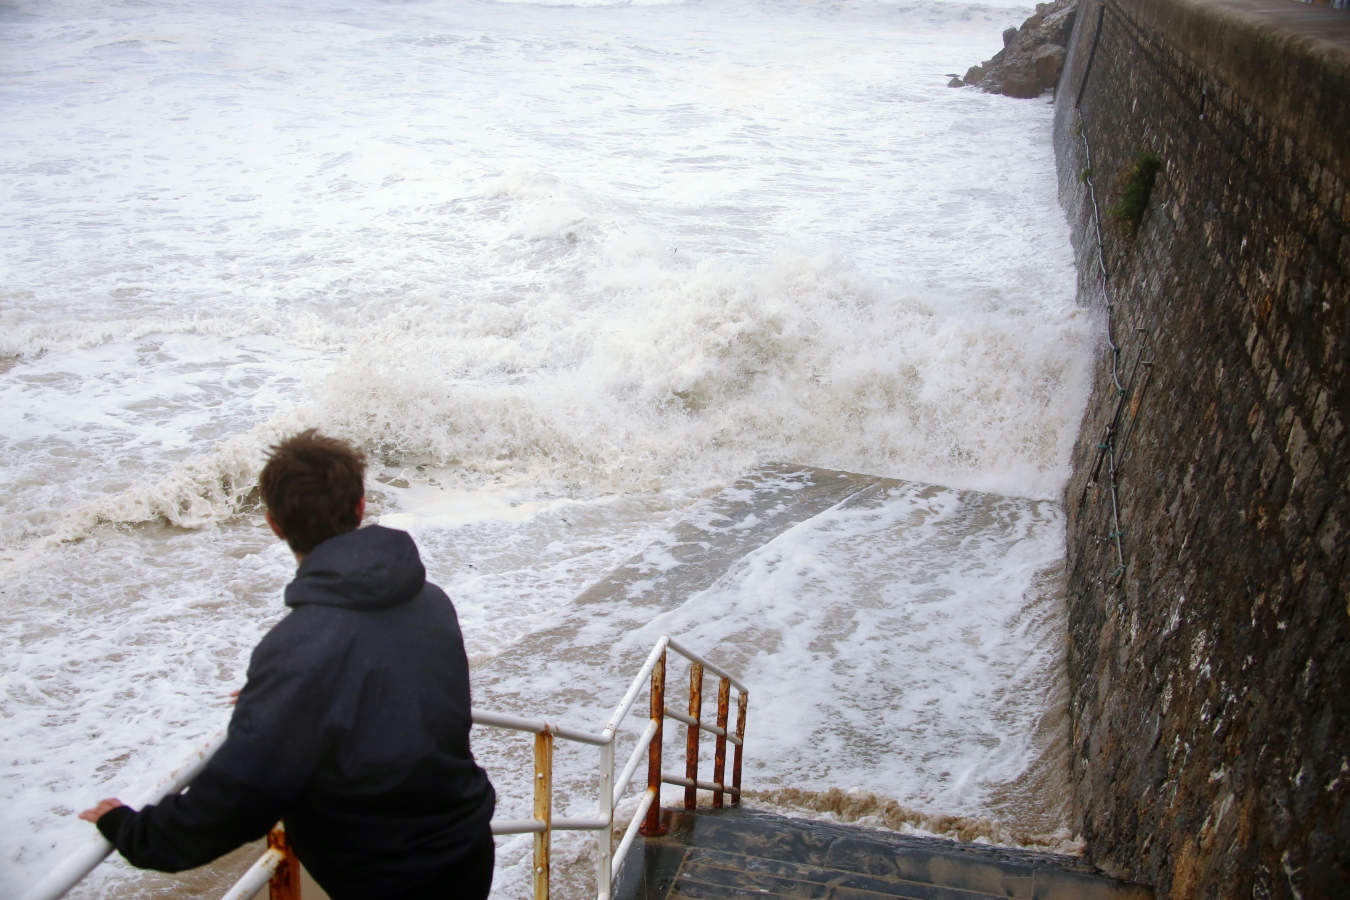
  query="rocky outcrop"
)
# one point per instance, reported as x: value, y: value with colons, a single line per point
x: 1032, y: 56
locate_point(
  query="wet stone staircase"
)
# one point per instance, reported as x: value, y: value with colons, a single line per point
x: 735, y: 853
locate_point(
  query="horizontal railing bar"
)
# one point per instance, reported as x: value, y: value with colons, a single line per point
x: 680, y: 717
x: 690, y: 720
x: 188, y: 769
x: 707, y: 666
x: 533, y: 826
x: 702, y: 726
x: 639, y: 754
x: 517, y: 826
x: 648, y: 798
x: 595, y: 823
x: 72, y: 870
x: 258, y: 874
x: 701, y: 785
x: 537, y: 726
x: 635, y: 687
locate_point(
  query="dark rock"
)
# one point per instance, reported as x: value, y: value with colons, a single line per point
x: 1059, y: 24
x: 1048, y: 62
x: 1020, y: 82
x: 1032, y: 56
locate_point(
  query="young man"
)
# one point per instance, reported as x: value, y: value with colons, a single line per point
x: 353, y: 725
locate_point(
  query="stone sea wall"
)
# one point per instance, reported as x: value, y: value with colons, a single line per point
x: 1208, y: 516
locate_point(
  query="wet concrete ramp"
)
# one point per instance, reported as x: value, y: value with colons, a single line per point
x: 754, y: 510
x: 901, y: 642
x: 744, y: 853
x: 746, y: 515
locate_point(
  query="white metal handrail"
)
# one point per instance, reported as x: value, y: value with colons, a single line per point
x: 94, y: 849
x: 258, y: 874
x: 278, y: 865
x: 610, y: 791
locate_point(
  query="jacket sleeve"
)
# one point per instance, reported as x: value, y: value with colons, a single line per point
x: 188, y: 829
x: 275, y: 740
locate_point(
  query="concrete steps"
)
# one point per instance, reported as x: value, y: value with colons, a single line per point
x: 735, y: 853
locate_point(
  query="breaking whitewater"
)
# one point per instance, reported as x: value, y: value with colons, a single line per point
x: 724, y: 320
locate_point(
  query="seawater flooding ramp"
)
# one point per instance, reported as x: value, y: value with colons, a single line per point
x: 752, y: 512
x: 692, y: 557
x: 901, y: 642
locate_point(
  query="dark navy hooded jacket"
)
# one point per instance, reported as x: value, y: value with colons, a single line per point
x: 353, y: 727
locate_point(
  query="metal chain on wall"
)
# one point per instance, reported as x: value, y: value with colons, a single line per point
x: 1129, y: 388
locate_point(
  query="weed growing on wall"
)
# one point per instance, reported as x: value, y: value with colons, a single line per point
x: 1133, y: 189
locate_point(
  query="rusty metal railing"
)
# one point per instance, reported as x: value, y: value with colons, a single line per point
x: 610, y: 791
x: 694, y: 726
x: 279, y: 869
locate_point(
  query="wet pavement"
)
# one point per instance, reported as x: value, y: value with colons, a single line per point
x: 742, y: 853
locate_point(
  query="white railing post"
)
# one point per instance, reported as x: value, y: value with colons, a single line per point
x: 605, y: 807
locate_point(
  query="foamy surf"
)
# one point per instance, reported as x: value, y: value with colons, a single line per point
x: 565, y: 273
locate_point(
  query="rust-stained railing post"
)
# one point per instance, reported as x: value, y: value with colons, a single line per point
x: 543, y: 810
x: 692, y: 734
x: 740, y: 745
x: 652, y: 825
x: 720, y: 749
x: 285, y: 881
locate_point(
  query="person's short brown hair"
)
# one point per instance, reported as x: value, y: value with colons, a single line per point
x: 311, y: 486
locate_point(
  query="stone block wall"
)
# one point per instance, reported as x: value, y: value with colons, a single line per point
x: 1209, y: 591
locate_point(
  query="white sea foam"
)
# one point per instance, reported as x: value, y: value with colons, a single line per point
x: 563, y: 271
x: 918, y: 620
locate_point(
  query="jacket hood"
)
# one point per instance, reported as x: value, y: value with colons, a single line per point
x: 370, y: 568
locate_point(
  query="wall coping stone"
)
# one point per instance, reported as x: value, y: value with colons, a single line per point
x: 1290, y: 60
